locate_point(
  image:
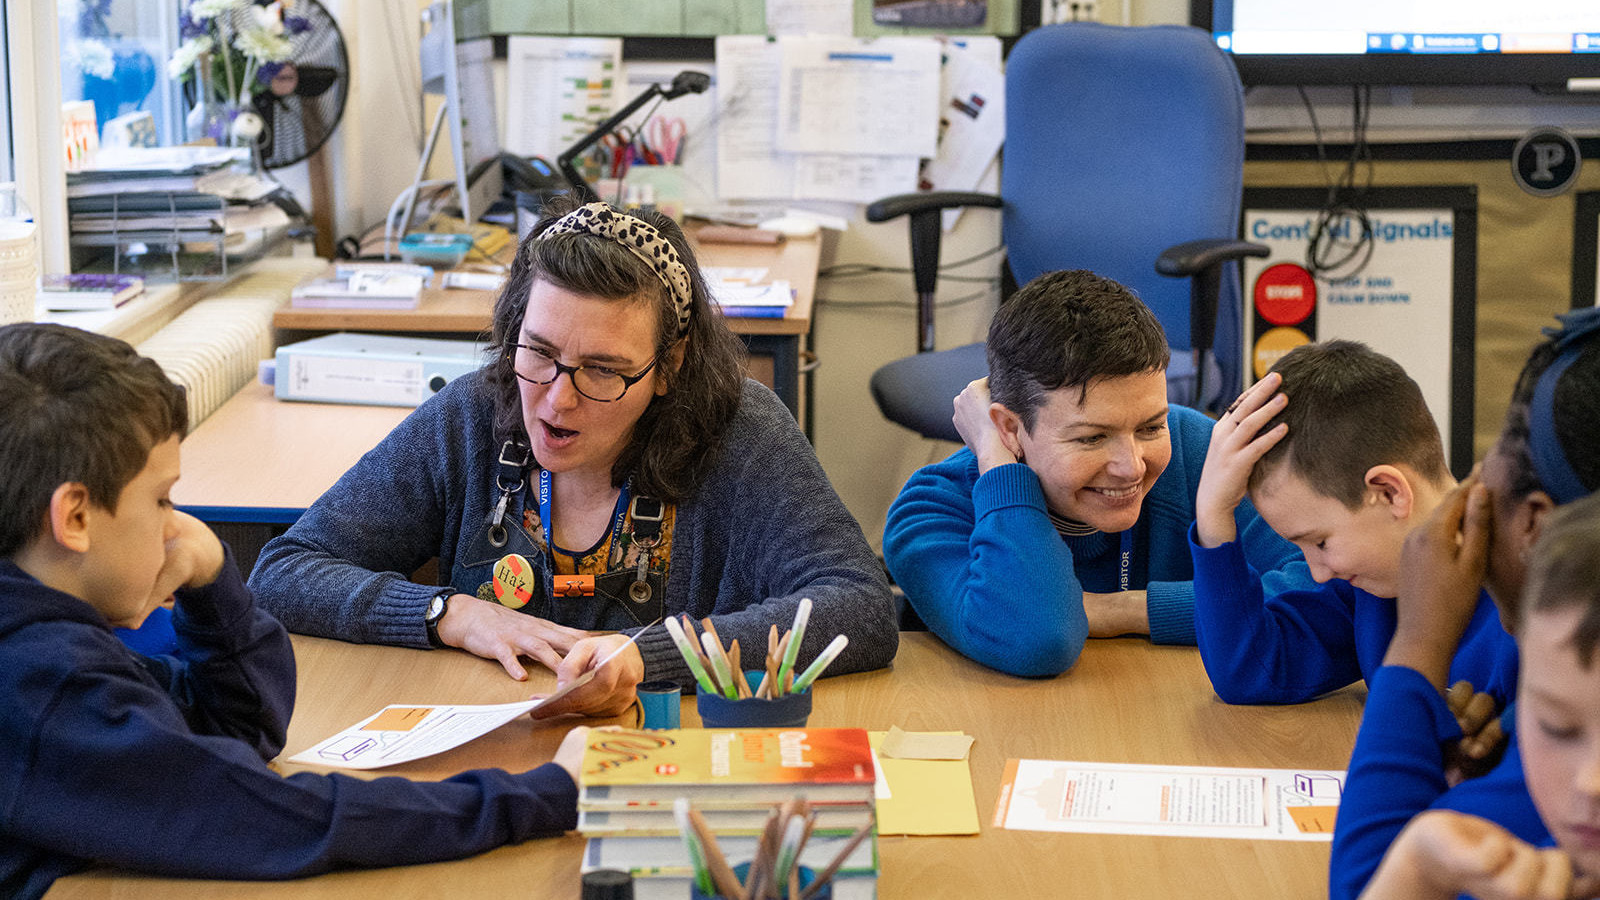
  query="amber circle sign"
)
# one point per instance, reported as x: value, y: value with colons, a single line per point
x: 1285, y: 294
x: 1271, y: 346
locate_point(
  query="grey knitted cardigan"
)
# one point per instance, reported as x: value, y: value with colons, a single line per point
x: 764, y: 529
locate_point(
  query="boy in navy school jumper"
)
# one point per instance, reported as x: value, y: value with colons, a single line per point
x: 1505, y: 852
x: 1337, y: 450
x: 160, y: 763
x: 1482, y: 535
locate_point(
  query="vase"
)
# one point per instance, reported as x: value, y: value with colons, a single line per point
x: 211, y: 117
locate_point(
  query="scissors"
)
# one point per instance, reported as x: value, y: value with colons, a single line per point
x: 614, y: 154
x: 665, y: 136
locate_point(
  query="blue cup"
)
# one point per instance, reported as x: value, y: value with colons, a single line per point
x: 788, y: 711
x: 742, y: 871
x: 660, y: 701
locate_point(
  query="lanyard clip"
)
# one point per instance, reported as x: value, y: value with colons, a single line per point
x: 648, y: 513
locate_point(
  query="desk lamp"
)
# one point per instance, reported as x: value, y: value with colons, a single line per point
x: 685, y: 82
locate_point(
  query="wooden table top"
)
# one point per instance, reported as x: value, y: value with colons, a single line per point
x: 468, y: 312
x: 1126, y: 701
x: 274, y: 458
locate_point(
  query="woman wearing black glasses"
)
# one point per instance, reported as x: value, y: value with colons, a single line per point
x: 609, y: 465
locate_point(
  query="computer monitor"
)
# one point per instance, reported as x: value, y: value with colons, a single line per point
x: 460, y: 74
x: 1539, y: 42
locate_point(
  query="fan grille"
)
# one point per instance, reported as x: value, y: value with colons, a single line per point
x: 307, y: 99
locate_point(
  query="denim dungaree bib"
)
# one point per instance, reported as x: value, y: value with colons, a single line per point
x: 621, y: 598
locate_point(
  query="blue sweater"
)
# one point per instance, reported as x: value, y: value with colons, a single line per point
x: 161, y: 766
x: 1397, y: 771
x: 1274, y: 638
x: 983, y: 566
x: 763, y: 530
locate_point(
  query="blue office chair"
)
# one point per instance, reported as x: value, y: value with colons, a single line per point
x: 1124, y: 155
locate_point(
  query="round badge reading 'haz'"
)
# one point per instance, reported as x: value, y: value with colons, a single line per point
x: 1546, y: 162
x: 513, y: 581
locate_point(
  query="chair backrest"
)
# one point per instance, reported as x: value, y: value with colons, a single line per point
x: 1121, y: 142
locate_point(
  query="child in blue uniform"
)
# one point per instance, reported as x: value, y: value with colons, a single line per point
x: 1506, y: 852
x: 1341, y: 456
x: 1482, y: 536
x: 159, y: 764
x: 1065, y: 516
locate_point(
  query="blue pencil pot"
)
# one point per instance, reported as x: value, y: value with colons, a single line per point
x: 742, y: 871
x: 789, y: 711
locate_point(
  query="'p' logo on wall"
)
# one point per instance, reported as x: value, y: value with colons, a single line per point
x: 1545, y: 162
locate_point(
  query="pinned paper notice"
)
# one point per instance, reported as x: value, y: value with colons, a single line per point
x: 899, y: 744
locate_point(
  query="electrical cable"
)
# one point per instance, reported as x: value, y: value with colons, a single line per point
x: 1325, y: 258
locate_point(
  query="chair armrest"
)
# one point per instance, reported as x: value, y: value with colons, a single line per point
x: 1191, y: 257
x: 903, y: 204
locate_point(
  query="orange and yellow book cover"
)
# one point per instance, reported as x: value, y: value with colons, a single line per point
x: 732, y: 756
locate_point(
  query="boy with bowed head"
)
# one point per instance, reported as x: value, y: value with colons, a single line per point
x: 1482, y: 537
x: 160, y: 764
x: 609, y: 465
x: 1338, y: 451
x: 1065, y: 515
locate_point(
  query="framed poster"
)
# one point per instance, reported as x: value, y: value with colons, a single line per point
x: 1399, y: 275
x: 1586, y: 251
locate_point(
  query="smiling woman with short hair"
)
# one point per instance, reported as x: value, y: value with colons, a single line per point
x: 1066, y: 515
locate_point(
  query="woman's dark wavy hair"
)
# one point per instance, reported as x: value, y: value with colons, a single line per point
x: 1576, y: 409
x: 674, y: 442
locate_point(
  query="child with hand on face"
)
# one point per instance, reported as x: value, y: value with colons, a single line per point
x: 1482, y: 537
x: 1443, y: 853
x: 160, y: 764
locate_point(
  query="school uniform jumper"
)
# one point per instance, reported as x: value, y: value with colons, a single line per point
x: 764, y: 530
x: 1266, y: 640
x: 982, y: 564
x: 158, y: 765
x: 1397, y: 771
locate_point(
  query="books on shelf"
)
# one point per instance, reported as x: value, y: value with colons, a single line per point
x: 87, y: 290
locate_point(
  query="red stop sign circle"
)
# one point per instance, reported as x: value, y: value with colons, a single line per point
x: 1285, y: 294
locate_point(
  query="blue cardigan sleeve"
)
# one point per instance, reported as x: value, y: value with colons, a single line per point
x: 1396, y: 771
x: 984, y: 568
x: 1278, y: 638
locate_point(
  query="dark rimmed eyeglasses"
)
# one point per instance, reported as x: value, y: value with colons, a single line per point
x: 599, y: 383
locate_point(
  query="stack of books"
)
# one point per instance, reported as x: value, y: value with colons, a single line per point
x: 364, y: 286
x: 735, y: 779
x: 87, y: 290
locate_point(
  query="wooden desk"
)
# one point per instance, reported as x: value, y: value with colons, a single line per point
x: 774, y: 343
x: 261, y: 460
x: 1126, y: 701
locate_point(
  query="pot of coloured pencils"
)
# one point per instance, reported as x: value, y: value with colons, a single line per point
x: 786, y: 711
x: 806, y: 876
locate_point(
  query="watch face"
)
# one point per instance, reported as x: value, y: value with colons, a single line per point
x: 436, y: 608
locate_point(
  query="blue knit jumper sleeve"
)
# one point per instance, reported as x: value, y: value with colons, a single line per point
x: 160, y: 765
x: 763, y: 530
x: 1397, y: 771
x: 980, y: 561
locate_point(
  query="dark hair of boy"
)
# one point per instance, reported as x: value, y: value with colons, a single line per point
x: 1564, y: 571
x: 1068, y: 329
x: 673, y: 442
x: 74, y: 407
x: 1575, y: 409
x: 1350, y: 408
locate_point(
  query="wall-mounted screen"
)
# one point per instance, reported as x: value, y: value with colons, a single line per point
x: 1537, y: 42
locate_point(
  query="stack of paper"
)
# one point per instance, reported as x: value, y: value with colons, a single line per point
x: 745, y: 292
x: 366, y: 287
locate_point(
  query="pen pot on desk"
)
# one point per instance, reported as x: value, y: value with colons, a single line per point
x: 788, y: 711
x: 742, y: 872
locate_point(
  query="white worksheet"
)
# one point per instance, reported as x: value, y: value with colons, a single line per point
x: 867, y: 97
x: 1184, y: 801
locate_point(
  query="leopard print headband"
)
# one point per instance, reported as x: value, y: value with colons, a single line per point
x: 642, y: 240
